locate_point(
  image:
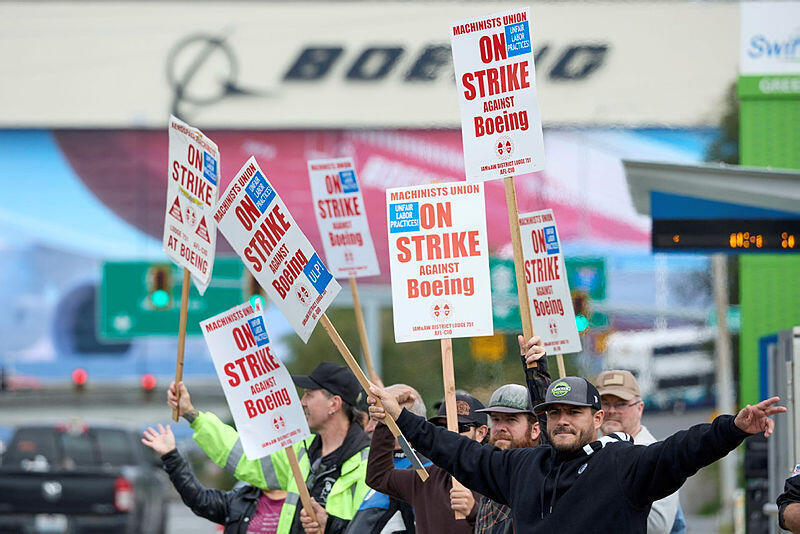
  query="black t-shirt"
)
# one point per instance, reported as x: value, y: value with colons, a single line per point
x: 324, y: 472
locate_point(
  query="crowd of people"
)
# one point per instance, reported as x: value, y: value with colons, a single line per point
x: 564, y: 455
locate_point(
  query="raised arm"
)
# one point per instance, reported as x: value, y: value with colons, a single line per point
x: 222, y: 445
x: 212, y: 504
x: 482, y: 468
x: 654, y: 471
x: 381, y: 474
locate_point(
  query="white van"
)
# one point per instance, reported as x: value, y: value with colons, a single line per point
x: 674, y: 367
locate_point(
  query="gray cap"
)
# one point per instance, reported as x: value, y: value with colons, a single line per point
x: 511, y: 398
x: 572, y: 390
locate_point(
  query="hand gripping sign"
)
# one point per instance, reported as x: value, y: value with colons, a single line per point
x: 341, y: 218
x: 190, y: 233
x: 260, y: 393
x: 259, y: 227
x: 438, y: 253
x: 495, y: 77
x: 546, y: 277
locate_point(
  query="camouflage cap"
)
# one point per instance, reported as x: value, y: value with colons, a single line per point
x: 511, y: 398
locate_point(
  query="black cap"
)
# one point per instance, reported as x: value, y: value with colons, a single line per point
x: 467, y: 408
x: 572, y: 390
x: 335, y: 378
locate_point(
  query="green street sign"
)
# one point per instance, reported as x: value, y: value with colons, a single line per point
x: 584, y: 274
x: 143, y: 298
x: 587, y: 275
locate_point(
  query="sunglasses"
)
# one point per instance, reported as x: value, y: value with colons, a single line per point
x: 462, y: 427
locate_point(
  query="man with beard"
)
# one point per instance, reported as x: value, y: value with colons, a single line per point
x: 578, y: 484
x: 622, y: 404
x: 512, y: 425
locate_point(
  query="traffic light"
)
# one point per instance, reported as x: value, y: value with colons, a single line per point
x: 580, y: 304
x: 252, y: 290
x: 79, y: 379
x: 148, y: 385
x: 159, y: 286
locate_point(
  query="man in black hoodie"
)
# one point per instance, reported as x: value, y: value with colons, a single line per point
x: 576, y: 484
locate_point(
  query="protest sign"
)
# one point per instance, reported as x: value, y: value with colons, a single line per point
x: 261, y: 395
x: 341, y: 218
x: 190, y: 233
x: 546, y: 278
x: 343, y: 226
x: 496, y: 81
x: 259, y: 227
x: 439, y: 259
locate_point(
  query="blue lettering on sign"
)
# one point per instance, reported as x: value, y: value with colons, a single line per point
x: 210, y: 168
x: 259, y: 330
x: 786, y: 49
x: 260, y: 192
x: 404, y: 217
x: 518, y: 39
x: 551, y: 240
x: 349, y: 183
x: 317, y: 274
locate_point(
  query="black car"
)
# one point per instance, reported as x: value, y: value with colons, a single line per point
x: 77, y: 479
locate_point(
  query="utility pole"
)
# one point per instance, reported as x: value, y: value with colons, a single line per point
x: 726, y: 401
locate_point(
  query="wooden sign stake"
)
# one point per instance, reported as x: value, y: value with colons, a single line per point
x: 361, y: 377
x: 450, y: 398
x: 519, y: 270
x: 187, y: 282
x: 362, y: 331
x: 305, y: 497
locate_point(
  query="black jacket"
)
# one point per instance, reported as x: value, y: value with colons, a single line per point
x: 790, y: 495
x: 233, y: 509
x: 596, y: 489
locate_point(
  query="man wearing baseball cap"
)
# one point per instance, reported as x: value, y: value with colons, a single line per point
x: 622, y: 404
x: 579, y: 484
x: 512, y: 425
x: 435, y: 500
x: 333, y: 459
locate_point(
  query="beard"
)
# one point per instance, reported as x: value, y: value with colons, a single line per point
x: 509, y: 442
x: 585, y: 436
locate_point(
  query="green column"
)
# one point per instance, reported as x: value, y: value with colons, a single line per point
x: 769, y: 285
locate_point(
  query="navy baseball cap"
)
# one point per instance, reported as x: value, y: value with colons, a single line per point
x: 572, y: 390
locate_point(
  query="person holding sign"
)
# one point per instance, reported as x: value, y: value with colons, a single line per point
x: 579, y: 484
x: 435, y: 500
x: 247, y: 507
x: 333, y: 461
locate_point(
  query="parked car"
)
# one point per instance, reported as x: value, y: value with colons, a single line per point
x: 78, y: 479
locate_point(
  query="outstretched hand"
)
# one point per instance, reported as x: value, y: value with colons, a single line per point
x: 755, y: 419
x: 162, y: 441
